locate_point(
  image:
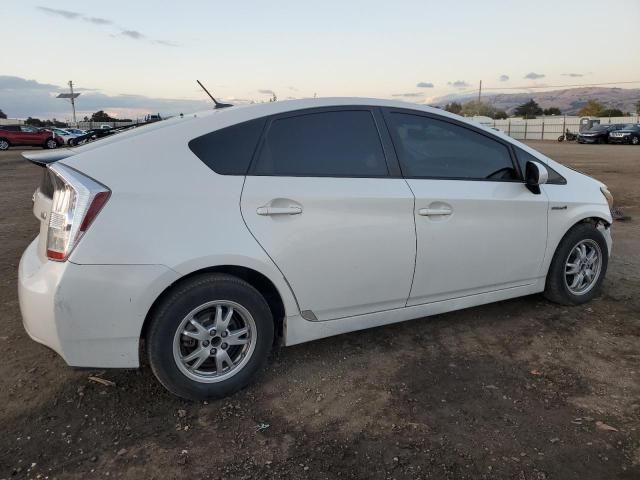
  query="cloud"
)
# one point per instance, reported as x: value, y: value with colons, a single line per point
x: 503, y: 78
x: 125, y: 32
x: 408, y: 95
x: 132, y: 34
x: 266, y: 91
x: 21, y: 98
x: 534, y: 76
x: 9, y: 83
x: 459, y: 84
x: 424, y: 85
x: 166, y: 43
x: 572, y: 74
x: 62, y: 13
x: 98, y: 20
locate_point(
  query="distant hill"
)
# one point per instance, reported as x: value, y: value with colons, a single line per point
x: 569, y: 101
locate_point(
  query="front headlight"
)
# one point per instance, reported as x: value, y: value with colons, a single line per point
x: 607, y: 194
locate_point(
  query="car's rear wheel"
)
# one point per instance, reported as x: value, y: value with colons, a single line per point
x: 51, y: 144
x: 635, y: 140
x: 578, y: 266
x: 209, y: 336
x: 4, y: 144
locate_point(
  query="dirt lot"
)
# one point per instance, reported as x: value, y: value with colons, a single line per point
x: 522, y: 389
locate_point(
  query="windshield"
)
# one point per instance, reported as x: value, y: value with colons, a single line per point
x: 630, y: 126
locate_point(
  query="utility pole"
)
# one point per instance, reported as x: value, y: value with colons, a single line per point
x: 71, y: 96
x: 480, y: 92
x: 73, y: 103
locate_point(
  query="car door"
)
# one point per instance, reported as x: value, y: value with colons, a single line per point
x: 320, y: 200
x: 479, y: 229
x: 30, y: 136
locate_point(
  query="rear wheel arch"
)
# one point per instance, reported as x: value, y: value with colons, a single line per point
x: 254, y: 278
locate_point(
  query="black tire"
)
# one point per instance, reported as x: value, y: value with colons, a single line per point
x: 561, y: 138
x: 635, y: 140
x: 50, y: 144
x: 70, y: 142
x: 556, y: 288
x: 4, y: 144
x: 177, y: 305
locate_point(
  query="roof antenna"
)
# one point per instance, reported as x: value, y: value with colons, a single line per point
x: 217, y: 103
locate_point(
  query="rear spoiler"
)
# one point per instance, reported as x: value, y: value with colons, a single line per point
x: 42, y: 159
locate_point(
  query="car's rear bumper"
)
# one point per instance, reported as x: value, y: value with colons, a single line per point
x: 91, y: 315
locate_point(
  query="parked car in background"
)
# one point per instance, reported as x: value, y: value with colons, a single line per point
x: 209, y: 238
x: 63, y: 133
x: 26, y: 135
x: 75, y: 131
x: 598, y: 133
x: 629, y: 133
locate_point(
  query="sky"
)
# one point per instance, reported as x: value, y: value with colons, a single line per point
x: 135, y: 57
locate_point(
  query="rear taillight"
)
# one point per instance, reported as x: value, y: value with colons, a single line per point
x: 77, y: 200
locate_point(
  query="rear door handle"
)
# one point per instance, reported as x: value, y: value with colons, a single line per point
x: 434, y: 212
x: 268, y: 210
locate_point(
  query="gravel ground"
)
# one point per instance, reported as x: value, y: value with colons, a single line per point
x: 521, y: 389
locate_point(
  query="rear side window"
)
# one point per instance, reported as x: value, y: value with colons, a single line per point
x: 431, y: 148
x: 326, y: 144
x: 523, y: 157
x: 229, y: 151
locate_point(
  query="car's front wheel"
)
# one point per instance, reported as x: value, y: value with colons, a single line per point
x: 578, y: 266
x: 209, y: 336
x: 4, y: 144
x: 635, y: 140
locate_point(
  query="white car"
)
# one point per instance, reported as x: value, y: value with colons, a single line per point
x: 210, y: 237
x: 65, y: 134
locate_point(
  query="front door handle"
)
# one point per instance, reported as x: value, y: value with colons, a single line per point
x: 434, y: 212
x: 269, y: 210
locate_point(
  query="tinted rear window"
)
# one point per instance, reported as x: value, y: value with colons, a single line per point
x: 342, y: 143
x: 523, y: 157
x: 229, y: 151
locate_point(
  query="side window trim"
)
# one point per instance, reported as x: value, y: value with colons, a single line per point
x: 387, y: 111
x: 309, y: 111
x: 560, y: 181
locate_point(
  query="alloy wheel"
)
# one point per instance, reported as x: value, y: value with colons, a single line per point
x: 214, y: 341
x: 582, y: 267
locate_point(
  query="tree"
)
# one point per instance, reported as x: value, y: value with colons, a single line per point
x: 453, y: 107
x: 499, y: 115
x: 2, y: 114
x: 592, y: 108
x: 482, y: 109
x: 531, y: 109
x: 36, y: 122
x: 552, y: 111
x: 102, y: 116
x: 611, y: 112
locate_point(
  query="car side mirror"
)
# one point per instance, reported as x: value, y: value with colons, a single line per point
x: 535, y: 175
